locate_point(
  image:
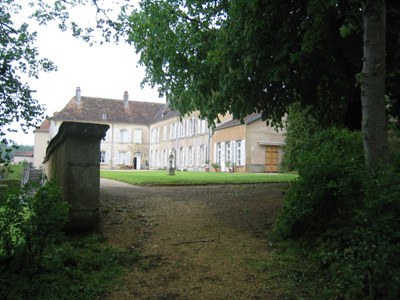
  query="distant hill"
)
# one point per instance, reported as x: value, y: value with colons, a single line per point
x: 15, y: 148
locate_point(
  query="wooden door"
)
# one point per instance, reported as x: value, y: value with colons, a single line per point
x: 271, y: 159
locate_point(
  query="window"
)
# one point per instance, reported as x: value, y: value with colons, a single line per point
x: 122, y: 158
x: 241, y: 155
x: 137, y: 136
x: 165, y: 158
x: 125, y: 136
x: 230, y: 152
x: 104, y: 157
x: 157, y: 158
x: 203, y: 126
x: 158, y: 134
x: 198, y: 126
x: 191, y: 126
x: 165, y: 133
x: 182, y: 156
x: 104, y: 116
x: 191, y: 156
x: 182, y: 124
x: 174, y: 127
x: 219, y: 153
x: 203, y: 155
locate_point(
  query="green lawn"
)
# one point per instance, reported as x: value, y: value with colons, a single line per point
x: 191, y: 178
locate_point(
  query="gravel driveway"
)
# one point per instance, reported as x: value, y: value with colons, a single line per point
x: 197, y: 242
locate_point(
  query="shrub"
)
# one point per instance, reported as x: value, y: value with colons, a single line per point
x: 365, y: 257
x: 329, y: 187
x: 301, y: 125
x: 352, y: 219
x: 29, y: 222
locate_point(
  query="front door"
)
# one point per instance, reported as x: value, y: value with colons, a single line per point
x: 136, y: 161
x: 271, y: 159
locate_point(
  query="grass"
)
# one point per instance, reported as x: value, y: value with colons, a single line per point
x: 78, y: 268
x: 161, y: 178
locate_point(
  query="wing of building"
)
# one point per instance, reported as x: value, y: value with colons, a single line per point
x: 143, y: 135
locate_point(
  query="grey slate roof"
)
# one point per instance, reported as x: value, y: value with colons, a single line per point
x: 165, y: 113
x: 91, y: 109
x: 234, y: 122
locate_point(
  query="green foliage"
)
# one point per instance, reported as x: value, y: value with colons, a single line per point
x: 331, y: 171
x: 364, y: 255
x: 241, y: 57
x: 352, y: 219
x: 300, y: 126
x: 12, y: 171
x: 75, y: 269
x: 18, y: 56
x: 8, y: 186
x: 31, y: 222
x: 37, y: 261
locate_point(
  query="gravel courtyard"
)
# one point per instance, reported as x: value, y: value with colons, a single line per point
x: 197, y: 242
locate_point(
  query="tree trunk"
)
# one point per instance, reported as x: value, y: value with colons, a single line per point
x: 373, y: 84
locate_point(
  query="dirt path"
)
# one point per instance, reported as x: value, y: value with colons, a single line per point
x: 196, y: 242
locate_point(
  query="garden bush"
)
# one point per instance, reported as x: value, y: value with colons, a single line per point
x: 37, y: 261
x: 352, y: 219
x: 29, y: 222
x: 329, y: 187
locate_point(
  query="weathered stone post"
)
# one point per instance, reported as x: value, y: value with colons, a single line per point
x: 73, y: 156
x: 171, y: 169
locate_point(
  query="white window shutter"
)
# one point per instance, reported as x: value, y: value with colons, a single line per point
x: 127, y: 158
x: 243, y: 158
x: 107, y: 159
x: 215, y: 153
x: 198, y: 156
x: 233, y: 149
x: 198, y: 125
x: 116, y: 133
x: 128, y: 138
x: 116, y: 157
x: 222, y: 152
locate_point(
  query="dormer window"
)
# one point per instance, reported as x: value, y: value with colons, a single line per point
x: 104, y: 116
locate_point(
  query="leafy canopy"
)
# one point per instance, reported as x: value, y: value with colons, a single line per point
x: 252, y: 55
x: 247, y: 55
x: 18, y: 57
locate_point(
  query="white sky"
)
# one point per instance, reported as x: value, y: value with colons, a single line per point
x: 100, y: 71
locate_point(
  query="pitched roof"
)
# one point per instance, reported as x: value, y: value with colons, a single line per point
x: 20, y: 153
x: 102, y: 110
x: 235, y: 122
x: 45, y: 126
x: 165, y: 113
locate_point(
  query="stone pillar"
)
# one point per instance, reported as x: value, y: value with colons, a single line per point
x: 73, y: 157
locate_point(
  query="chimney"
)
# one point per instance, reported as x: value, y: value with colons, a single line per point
x: 78, y: 95
x: 126, y: 99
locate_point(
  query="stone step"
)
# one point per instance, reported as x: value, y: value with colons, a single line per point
x: 35, y: 175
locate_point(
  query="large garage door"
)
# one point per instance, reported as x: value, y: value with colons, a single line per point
x: 271, y: 158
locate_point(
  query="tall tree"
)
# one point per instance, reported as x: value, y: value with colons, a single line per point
x: 373, y: 79
x: 242, y: 56
x: 257, y: 55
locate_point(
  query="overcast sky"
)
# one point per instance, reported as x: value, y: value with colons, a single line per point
x: 100, y: 71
